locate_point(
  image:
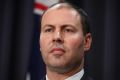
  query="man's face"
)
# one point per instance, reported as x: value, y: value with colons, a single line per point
x: 62, y: 42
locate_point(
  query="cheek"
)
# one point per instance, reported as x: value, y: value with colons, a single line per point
x: 43, y: 47
x: 75, y: 42
x: 75, y: 46
x: 44, y: 40
x: 43, y: 43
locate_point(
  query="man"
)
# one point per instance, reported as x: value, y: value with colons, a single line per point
x: 64, y: 39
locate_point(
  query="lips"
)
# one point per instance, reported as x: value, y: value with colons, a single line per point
x: 57, y: 51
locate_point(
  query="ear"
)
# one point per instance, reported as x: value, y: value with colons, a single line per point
x: 87, y: 41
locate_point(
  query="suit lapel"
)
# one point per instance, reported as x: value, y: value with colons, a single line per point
x: 44, y: 78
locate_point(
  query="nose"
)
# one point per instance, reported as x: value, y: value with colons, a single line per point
x: 58, y: 37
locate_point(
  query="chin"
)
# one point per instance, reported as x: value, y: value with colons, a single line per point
x: 60, y: 68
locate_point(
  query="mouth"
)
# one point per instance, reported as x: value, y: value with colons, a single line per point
x: 57, y: 51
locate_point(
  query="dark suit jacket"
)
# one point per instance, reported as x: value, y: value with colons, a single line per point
x: 85, y: 77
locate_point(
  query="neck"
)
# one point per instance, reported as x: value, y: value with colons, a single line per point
x: 53, y: 75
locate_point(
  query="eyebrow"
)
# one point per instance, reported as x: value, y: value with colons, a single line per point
x: 62, y: 26
x: 47, y: 25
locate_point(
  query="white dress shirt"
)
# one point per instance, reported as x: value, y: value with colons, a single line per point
x: 76, y: 76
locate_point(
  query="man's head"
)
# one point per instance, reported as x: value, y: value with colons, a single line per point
x: 64, y: 38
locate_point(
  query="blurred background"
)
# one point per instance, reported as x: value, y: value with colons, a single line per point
x: 20, y: 58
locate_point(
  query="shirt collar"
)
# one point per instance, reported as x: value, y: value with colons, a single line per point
x: 47, y: 78
x: 76, y: 76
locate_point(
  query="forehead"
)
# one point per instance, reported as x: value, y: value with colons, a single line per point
x: 63, y: 12
x: 61, y: 6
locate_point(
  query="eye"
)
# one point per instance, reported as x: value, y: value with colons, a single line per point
x: 48, y: 30
x: 68, y: 30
